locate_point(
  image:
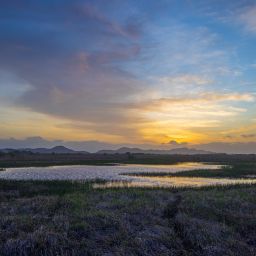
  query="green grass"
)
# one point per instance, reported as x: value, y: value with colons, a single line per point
x: 27, y: 159
x: 46, y: 163
x: 242, y: 170
x: 72, y: 218
x: 112, y: 162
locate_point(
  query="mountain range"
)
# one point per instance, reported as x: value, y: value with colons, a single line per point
x: 175, y: 151
x: 123, y: 150
x: 54, y: 150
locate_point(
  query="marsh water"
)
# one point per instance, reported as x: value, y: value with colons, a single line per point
x: 115, y: 175
x: 172, y: 182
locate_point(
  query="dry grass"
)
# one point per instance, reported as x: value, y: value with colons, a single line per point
x: 237, y: 170
x: 64, y: 218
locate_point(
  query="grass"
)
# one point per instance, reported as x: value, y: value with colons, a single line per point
x: 239, y: 170
x: 27, y: 159
x: 46, y: 163
x: 72, y: 218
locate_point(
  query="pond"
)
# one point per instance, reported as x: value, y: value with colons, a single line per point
x: 115, y: 175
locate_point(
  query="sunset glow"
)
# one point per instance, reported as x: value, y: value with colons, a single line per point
x: 129, y: 72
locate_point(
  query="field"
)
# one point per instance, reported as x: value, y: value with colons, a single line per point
x: 27, y: 159
x: 73, y: 218
x: 64, y: 218
x: 237, y: 170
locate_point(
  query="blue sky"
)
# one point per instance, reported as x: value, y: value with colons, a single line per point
x: 128, y: 71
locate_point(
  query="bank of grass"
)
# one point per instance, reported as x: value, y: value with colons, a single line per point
x: 47, y: 163
x: 72, y: 218
x: 240, y: 170
x: 28, y: 159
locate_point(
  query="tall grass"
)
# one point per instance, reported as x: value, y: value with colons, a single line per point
x: 72, y: 218
x: 240, y: 170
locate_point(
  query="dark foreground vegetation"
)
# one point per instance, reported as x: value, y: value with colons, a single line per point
x: 27, y: 159
x: 237, y: 170
x: 65, y: 218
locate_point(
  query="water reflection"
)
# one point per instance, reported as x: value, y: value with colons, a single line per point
x: 172, y: 182
x: 86, y: 172
x: 115, y: 175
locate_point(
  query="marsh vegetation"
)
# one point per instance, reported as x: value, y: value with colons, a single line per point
x: 28, y: 159
x: 70, y: 218
x: 75, y: 218
x: 232, y: 170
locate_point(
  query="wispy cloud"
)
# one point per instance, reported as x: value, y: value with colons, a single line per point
x: 185, y: 79
x: 119, y: 72
x: 191, y: 100
x: 248, y: 135
x: 248, y: 18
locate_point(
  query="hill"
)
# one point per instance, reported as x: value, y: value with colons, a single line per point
x: 176, y: 151
x: 54, y: 150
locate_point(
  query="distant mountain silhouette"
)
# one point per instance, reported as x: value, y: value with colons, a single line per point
x: 175, y: 151
x: 123, y: 150
x: 54, y: 150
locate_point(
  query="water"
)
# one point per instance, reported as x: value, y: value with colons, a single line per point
x: 172, y: 182
x: 115, y: 175
x: 87, y: 172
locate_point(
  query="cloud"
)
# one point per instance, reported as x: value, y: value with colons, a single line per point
x: 115, y: 71
x: 175, y: 144
x: 32, y: 142
x: 235, y: 72
x: 235, y: 12
x: 248, y: 18
x: 179, y: 47
x: 72, y: 67
x: 78, y: 74
x: 191, y: 116
x: 208, y: 98
x: 186, y: 79
x: 196, y: 100
x: 248, y: 136
x: 130, y: 30
x: 228, y: 136
x: 231, y: 148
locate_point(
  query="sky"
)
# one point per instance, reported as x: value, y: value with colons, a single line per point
x: 141, y: 72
